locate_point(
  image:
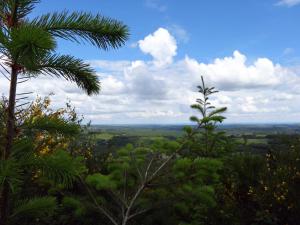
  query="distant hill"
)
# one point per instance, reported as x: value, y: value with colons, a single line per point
x: 176, y: 130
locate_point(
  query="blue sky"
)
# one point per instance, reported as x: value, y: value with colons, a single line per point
x: 248, y: 49
x: 213, y: 27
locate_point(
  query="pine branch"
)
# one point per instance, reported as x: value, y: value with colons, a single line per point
x: 35, y: 207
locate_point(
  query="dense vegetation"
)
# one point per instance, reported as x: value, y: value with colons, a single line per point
x: 55, y: 170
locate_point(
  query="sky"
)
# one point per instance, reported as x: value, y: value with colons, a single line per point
x: 249, y: 50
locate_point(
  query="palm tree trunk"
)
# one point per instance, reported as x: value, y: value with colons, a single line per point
x: 10, y: 126
x: 11, y: 112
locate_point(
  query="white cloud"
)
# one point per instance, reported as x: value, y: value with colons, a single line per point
x: 288, y: 3
x: 161, y: 45
x: 161, y: 91
x: 112, y: 86
x: 143, y: 83
x: 251, y: 91
x: 233, y: 73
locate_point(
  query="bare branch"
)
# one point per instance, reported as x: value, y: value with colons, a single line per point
x: 132, y: 202
x: 102, y: 210
x: 136, y: 166
x: 138, y: 213
x: 148, y: 168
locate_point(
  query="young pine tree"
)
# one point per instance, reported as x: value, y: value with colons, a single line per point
x: 210, y: 117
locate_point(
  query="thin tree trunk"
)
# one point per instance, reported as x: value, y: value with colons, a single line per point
x: 10, y: 126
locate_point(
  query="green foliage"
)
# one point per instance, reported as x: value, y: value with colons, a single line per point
x: 11, y: 173
x: 196, y: 182
x: 52, y: 125
x: 29, y: 44
x: 34, y: 208
x: 101, y: 182
x: 29, y: 166
x: 260, y: 189
x: 60, y: 167
x: 75, y: 205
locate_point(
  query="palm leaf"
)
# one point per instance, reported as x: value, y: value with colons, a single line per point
x: 79, y: 26
x: 71, y: 69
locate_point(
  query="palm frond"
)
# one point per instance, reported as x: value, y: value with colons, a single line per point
x: 71, y: 69
x: 79, y: 26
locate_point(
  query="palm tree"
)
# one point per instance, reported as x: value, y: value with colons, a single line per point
x: 28, y: 50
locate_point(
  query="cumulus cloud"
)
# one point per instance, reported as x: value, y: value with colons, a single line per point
x: 161, y: 91
x: 112, y: 85
x: 288, y: 3
x: 143, y: 83
x: 161, y: 45
x: 233, y: 73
